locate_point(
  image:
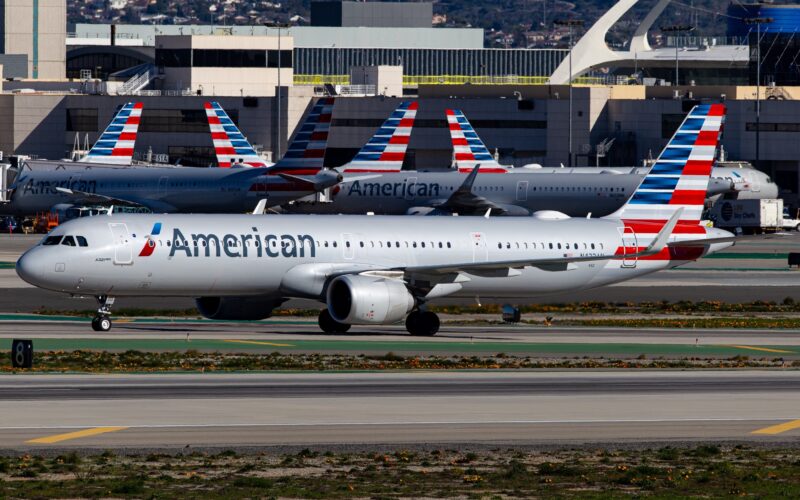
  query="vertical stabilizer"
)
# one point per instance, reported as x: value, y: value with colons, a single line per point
x: 386, y: 150
x: 469, y: 150
x: 306, y: 153
x: 230, y: 144
x: 679, y: 178
x: 117, y: 141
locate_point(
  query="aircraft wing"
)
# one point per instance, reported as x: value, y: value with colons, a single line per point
x: 86, y: 197
x: 726, y: 239
x: 463, y: 199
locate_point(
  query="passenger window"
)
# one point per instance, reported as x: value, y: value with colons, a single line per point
x: 551, y: 246
x: 592, y: 246
x: 326, y: 244
x: 448, y: 244
x: 559, y: 246
x: 335, y: 245
x: 500, y: 246
x: 397, y: 244
x: 52, y: 240
x: 388, y: 244
x: 68, y: 241
x: 362, y: 244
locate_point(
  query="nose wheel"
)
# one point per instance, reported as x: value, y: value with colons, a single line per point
x: 102, y: 321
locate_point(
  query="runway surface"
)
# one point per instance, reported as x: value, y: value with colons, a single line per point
x: 303, y: 336
x: 398, y: 408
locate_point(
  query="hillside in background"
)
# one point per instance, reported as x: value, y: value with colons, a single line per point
x: 509, y: 23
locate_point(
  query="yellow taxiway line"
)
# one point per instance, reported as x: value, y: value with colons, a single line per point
x: 57, y: 438
x: 762, y: 349
x: 256, y: 342
x: 779, y: 429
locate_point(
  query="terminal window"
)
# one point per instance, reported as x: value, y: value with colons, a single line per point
x: 179, y: 120
x: 82, y: 120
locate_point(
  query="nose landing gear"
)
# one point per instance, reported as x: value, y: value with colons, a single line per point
x: 102, y: 322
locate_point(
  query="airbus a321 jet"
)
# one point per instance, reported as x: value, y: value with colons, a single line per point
x: 183, y: 189
x: 372, y: 270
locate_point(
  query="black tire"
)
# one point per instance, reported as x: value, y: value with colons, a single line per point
x: 330, y: 325
x: 411, y: 322
x: 101, y: 323
x: 425, y: 324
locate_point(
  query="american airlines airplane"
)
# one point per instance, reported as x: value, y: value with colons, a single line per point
x: 372, y: 270
x: 504, y: 190
x: 184, y: 189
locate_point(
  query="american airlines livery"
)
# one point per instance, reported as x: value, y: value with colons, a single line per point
x: 116, y: 143
x: 373, y: 270
x: 184, y: 189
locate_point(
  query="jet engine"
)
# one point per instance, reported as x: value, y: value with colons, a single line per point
x: 366, y: 300
x: 237, y: 308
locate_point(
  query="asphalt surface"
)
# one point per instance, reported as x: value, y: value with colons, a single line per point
x: 303, y: 336
x: 458, y: 408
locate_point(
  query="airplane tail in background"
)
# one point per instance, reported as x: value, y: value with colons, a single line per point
x: 679, y: 178
x: 468, y: 148
x: 117, y: 141
x: 386, y: 150
x: 230, y: 144
x: 306, y: 153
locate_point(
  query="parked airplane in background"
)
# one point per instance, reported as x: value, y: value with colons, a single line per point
x: 182, y: 189
x: 115, y: 145
x: 730, y: 179
x: 230, y: 145
x: 380, y: 270
x: 392, y: 191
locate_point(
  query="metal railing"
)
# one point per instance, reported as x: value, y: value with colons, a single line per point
x: 416, y: 80
x: 137, y: 82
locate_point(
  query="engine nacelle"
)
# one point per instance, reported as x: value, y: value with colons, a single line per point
x: 365, y: 300
x: 237, y: 308
x: 550, y: 215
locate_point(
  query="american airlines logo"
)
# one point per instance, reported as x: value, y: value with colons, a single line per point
x: 396, y: 189
x: 246, y: 245
x: 32, y: 186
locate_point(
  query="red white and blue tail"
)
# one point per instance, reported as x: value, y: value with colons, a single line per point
x: 230, y: 144
x: 386, y: 150
x: 468, y: 148
x: 306, y: 153
x: 681, y: 174
x: 117, y: 141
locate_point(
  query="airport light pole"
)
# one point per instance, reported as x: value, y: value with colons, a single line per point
x: 571, y: 23
x: 758, y: 21
x: 677, y: 29
x: 279, y: 27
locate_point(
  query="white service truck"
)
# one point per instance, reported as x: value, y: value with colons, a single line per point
x: 749, y: 216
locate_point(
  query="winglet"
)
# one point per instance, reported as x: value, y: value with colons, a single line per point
x: 261, y: 207
x: 466, y: 186
x: 662, y: 238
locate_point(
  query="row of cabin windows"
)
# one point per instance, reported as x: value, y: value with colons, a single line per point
x: 581, y: 189
x: 551, y: 246
x: 68, y: 241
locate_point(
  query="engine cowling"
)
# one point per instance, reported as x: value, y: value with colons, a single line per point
x: 366, y: 300
x: 237, y: 308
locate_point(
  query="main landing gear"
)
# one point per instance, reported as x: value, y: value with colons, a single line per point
x: 102, y: 322
x: 330, y: 325
x: 422, y: 324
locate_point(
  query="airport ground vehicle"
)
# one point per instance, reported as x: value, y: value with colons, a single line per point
x: 382, y: 270
x: 748, y: 216
x: 789, y: 221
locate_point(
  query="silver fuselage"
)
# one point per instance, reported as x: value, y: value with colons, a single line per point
x: 293, y: 255
x: 160, y: 189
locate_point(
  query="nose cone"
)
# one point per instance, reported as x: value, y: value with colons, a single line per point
x: 31, y: 268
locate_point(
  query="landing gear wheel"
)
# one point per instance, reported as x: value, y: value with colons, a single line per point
x: 422, y: 324
x: 101, y: 323
x: 330, y: 325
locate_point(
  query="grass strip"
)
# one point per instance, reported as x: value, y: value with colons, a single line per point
x: 84, y: 361
x: 706, y: 471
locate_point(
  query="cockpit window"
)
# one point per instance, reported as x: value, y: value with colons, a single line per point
x: 82, y: 241
x: 52, y: 240
x: 68, y: 241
